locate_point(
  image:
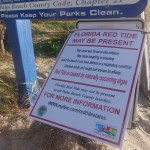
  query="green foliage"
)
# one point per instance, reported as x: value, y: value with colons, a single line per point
x: 43, y: 27
x: 149, y: 101
x: 59, y: 25
x: 50, y: 47
x: 46, y: 44
x: 49, y: 36
x: 8, y: 88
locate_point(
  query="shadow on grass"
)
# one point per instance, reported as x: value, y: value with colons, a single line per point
x: 8, y: 95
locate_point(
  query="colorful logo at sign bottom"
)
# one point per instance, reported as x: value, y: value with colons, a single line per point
x: 105, y: 130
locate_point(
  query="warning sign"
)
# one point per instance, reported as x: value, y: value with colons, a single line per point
x: 90, y: 89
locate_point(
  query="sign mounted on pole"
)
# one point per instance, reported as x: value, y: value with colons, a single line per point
x: 70, y: 9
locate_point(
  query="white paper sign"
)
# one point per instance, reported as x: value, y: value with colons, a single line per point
x: 90, y: 89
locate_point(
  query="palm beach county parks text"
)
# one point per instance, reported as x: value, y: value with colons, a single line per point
x: 69, y: 10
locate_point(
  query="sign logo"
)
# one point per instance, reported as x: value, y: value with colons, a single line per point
x: 105, y: 130
x: 42, y: 110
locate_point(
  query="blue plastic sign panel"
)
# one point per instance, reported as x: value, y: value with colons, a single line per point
x: 91, y: 87
x: 70, y: 9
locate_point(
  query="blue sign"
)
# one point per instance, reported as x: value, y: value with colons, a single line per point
x: 70, y: 9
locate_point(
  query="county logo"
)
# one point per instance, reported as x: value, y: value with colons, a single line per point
x: 105, y: 130
x: 42, y: 110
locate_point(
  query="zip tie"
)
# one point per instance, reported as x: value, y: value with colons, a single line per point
x: 34, y: 85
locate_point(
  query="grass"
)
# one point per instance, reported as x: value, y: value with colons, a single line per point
x: 39, y: 27
x: 46, y: 44
x: 49, y: 36
x: 50, y: 47
x: 8, y: 88
x: 149, y: 101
